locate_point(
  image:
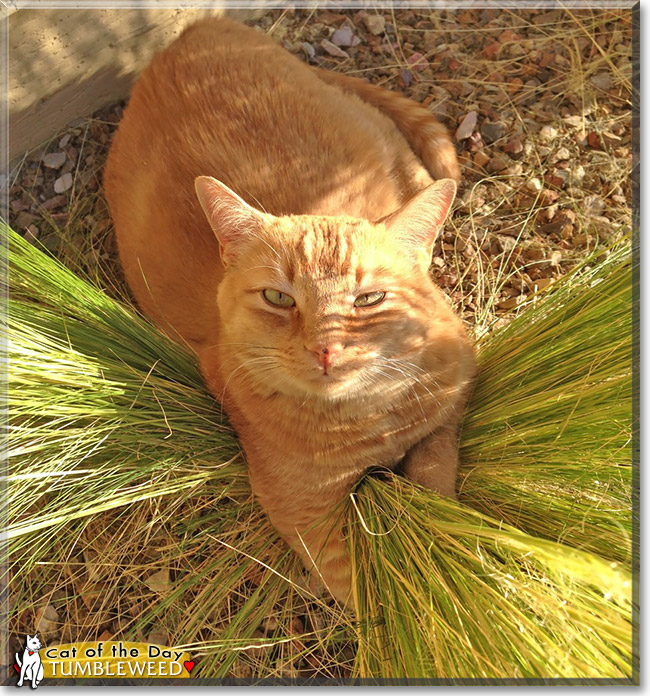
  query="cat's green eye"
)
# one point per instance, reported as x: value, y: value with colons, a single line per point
x: 278, y: 299
x: 369, y: 299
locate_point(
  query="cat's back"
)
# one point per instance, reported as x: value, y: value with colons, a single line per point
x: 227, y: 101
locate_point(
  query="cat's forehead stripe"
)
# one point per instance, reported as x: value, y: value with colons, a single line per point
x: 322, y: 245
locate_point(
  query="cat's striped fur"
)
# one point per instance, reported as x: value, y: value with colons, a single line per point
x: 320, y: 200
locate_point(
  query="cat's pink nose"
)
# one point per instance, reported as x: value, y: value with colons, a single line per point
x: 326, y: 354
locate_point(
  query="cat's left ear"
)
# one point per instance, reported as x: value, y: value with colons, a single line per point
x: 419, y: 221
x: 232, y: 220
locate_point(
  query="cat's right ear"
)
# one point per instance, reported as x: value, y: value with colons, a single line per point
x: 232, y: 220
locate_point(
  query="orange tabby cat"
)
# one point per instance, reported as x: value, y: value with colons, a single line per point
x: 299, y: 274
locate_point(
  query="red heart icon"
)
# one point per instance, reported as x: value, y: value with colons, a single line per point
x: 31, y: 652
x: 189, y: 666
x: 17, y: 668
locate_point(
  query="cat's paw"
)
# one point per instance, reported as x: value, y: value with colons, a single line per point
x: 333, y: 578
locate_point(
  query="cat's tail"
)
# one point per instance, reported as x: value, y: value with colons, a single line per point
x: 428, y: 138
x: 18, y: 660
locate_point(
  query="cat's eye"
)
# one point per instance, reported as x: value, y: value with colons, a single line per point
x: 370, y: 299
x: 278, y: 299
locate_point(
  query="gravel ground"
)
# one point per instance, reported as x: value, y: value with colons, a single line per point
x: 539, y: 103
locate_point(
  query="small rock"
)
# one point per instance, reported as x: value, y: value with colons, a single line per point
x: 467, y: 125
x: 534, y: 185
x: 31, y: 233
x: 556, y: 257
x: 481, y: 158
x: 375, y: 23
x: 543, y: 283
x: 407, y: 77
x: 308, y: 49
x: 602, y: 80
x: 550, y: 212
x: 54, y: 160
x: 65, y: 140
x: 333, y: 49
x: 158, y: 636
x: 593, y: 205
x: 547, y: 133
x: 594, y: 141
x: 559, y: 178
x: 511, y: 302
x: 18, y: 204
x: 159, y: 582
x: 548, y: 197
x: 492, y: 130
x: 417, y: 62
x: 491, y: 50
x: 514, y: 146
x: 507, y: 36
x: 55, y: 202
x: 24, y: 219
x: 516, y: 169
x: 574, y: 121
x: 345, y: 36
x: 63, y: 183
x: 497, y: 164
x: 562, y: 154
x: 46, y: 619
x: 474, y: 142
x: 576, y: 175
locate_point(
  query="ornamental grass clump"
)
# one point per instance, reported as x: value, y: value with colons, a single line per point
x: 129, y: 511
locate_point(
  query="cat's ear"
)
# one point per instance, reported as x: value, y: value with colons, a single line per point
x: 419, y: 221
x: 231, y: 218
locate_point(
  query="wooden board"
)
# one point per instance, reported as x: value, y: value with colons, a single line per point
x: 67, y: 63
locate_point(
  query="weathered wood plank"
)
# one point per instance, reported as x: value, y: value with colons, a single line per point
x: 67, y: 63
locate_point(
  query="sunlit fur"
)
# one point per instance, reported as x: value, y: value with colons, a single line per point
x: 321, y: 172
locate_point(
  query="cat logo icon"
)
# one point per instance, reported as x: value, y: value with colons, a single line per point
x: 30, y: 666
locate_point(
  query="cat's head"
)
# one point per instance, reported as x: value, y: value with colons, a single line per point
x: 328, y: 306
x: 33, y: 642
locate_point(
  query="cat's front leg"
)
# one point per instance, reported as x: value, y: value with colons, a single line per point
x: 433, y: 462
x: 310, y: 518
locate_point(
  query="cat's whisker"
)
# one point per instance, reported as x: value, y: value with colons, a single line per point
x: 243, y: 365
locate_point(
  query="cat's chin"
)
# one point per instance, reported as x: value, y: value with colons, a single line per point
x: 331, y: 388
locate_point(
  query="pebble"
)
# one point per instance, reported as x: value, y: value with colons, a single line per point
x: 514, y: 146
x: 333, y: 49
x: 407, y: 77
x: 63, y: 183
x: 467, y: 125
x: 375, y: 23
x: 497, y: 163
x: 65, y: 140
x: 534, y: 185
x: 417, y: 62
x: 562, y: 154
x: 45, y: 620
x: 481, y: 158
x: 54, y: 160
x: 602, y: 80
x: 345, y: 36
x: 308, y: 49
x: 593, y: 205
x: 31, y: 233
x: 492, y: 130
x: 547, y: 133
x: 576, y: 175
